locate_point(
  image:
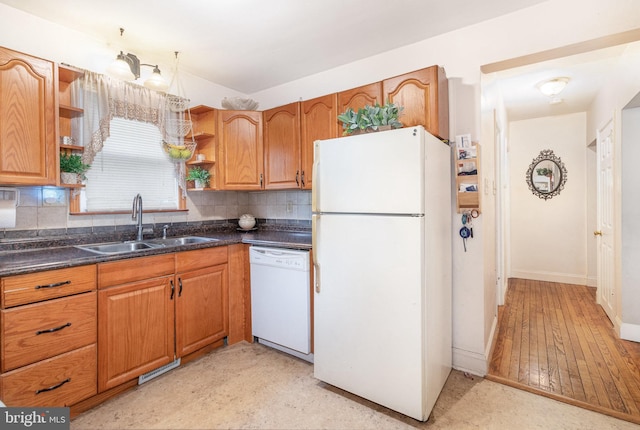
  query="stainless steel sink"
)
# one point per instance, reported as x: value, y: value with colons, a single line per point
x: 119, y: 247
x: 126, y: 247
x: 177, y: 241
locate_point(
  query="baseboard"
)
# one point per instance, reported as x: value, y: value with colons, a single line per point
x: 563, y: 278
x: 630, y: 332
x: 591, y: 281
x: 470, y: 362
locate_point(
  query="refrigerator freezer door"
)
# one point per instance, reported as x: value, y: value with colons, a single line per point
x: 371, y: 173
x: 369, y: 319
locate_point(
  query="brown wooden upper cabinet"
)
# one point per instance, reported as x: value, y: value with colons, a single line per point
x: 240, y: 161
x: 424, y: 94
x: 317, y: 122
x: 282, y: 147
x: 357, y: 98
x: 28, y: 120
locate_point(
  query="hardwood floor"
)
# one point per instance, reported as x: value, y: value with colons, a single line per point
x: 553, y: 339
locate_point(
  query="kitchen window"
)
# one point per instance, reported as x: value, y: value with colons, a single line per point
x: 132, y: 161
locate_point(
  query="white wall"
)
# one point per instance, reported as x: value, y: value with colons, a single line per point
x: 548, y: 237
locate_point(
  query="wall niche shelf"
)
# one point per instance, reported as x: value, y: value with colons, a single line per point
x: 467, y: 171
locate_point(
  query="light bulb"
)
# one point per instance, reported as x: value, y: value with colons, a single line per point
x: 156, y: 81
x: 120, y: 69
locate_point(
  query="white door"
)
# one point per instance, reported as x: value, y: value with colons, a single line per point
x: 605, y: 232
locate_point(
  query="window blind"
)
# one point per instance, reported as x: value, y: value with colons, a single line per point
x: 132, y: 161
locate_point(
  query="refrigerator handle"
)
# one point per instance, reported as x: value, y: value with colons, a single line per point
x: 315, y: 187
x: 314, y: 243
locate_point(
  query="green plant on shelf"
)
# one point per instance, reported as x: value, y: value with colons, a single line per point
x: 72, y: 163
x: 199, y: 175
x: 370, y: 118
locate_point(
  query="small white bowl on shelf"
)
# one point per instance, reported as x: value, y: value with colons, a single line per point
x: 247, y: 221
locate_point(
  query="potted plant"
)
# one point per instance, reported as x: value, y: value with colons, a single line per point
x: 371, y: 118
x: 544, y: 171
x: 200, y: 176
x: 72, y: 169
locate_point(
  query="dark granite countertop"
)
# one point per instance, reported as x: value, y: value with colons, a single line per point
x: 33, y: 256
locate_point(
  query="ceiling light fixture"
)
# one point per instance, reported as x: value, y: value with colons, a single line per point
x: 553, y: 87
x: 127, y: 68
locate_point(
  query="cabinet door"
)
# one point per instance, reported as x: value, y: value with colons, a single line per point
x: 135, y: 330
x: 318, y: 121
x: 282, y: 147
x: 27, y: 120
x: 359, y: 97
x: 240, y: 164
x: 201, y: 308
x: 424, y: 95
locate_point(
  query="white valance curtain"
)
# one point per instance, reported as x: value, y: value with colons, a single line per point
x: 104, y: 98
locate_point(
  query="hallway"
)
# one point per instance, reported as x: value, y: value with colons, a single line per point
x: 553, y: 339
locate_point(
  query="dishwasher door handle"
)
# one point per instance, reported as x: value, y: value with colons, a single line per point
x: 271, y: 252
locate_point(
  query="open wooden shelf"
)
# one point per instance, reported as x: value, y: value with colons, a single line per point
x: 467, y: 200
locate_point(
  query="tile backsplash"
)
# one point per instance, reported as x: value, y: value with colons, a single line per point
x: 46, y: 208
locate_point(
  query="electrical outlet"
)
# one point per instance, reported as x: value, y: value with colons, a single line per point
x: 289, y: 207
x: 53, y: 196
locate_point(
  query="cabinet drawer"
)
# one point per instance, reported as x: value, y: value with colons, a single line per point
x: 135, y: 269
x: 200, y: 258
x: 35, y: 287
x: 34, y: 332
x: 59, y: 381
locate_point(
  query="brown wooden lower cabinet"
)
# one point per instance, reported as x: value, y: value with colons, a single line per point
x: 147, y: 323
x: 146, y: 312
x: 135, y: 330
x: 59, y: 381
x: 48, y: 337
x: 201, y: 308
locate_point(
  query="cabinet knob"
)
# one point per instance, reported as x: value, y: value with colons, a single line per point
x: 597, y: 233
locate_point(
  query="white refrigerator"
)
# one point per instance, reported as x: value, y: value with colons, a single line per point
x: 381, y: 223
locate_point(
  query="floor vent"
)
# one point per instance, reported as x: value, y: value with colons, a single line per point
x: 159, y: 371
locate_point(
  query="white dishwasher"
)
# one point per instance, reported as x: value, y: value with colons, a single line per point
x: 280, y: 299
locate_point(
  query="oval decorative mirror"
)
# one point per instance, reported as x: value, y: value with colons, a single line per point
x: 546, y: 175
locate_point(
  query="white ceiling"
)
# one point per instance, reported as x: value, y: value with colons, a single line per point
x: 252, y: 45
x: 586, y: 72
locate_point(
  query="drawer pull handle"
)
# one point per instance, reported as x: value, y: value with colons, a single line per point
x: 51, y: 330
x: 43, y: 390
x: 173, y: 290
x: 180, y: 290
x: 56, y: 284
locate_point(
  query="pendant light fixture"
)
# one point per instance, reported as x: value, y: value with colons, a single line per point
x: 127, y: 68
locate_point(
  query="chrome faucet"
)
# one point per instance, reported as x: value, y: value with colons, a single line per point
x: 136, y: 214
